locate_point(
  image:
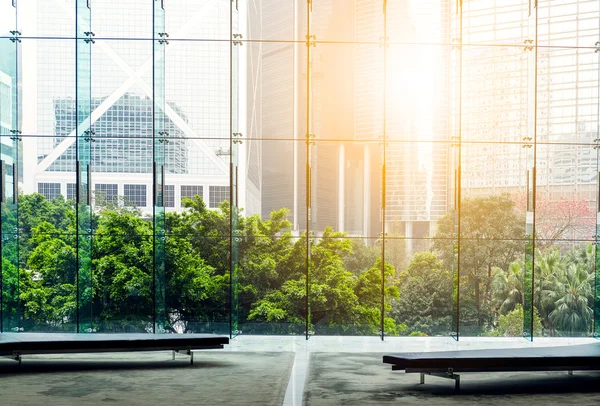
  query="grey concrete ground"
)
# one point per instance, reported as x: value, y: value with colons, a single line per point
x: 257, y: 370
x: 227, y: 378
x: 359, y: 379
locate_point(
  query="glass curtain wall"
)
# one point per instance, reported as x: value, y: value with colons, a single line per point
x: 305, y: 167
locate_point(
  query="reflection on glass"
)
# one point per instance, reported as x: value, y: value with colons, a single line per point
x: 392, y: 168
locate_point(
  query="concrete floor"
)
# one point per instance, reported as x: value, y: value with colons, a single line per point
x: 362, y: 379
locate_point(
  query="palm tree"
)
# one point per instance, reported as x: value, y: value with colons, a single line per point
x: 585, y: 255
x: 507, y: 288
x: 572, y: 314
x: 548, y: 268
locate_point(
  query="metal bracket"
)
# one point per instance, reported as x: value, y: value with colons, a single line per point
x: 16, y: 36
x: 311, y: 41
x: 89, y: 34
x: 237, y: 39
x: 383, y: 42
x: 528, y: 45
x: 189, y: 352
x: 17, y: 357
x: 456, y: 43
x: 446, y: 375
x: 16, y: 135
x: 89, y: 135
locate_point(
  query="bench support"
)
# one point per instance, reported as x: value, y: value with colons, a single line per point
x: 446, y: 375
x: 189, y: 352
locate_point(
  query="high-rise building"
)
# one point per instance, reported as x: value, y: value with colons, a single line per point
x: 122, y: 137
x: 514, y: 94
x: 122, y: 82
x: 9, y: 106
x: 416, y: 111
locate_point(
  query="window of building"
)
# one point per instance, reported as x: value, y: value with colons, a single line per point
x: 108, y: 191
x: 71, y: 191
x: 169, y: 197
x: 136, y: 195
x: 191, y: 191
x: 49, y: 190
x: 217, y: 194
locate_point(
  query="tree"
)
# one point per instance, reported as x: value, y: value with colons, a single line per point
x: 123, y: 270
x: 425, y: 302
x: 507, y: 288
x: 572, y: 313
x: 362, y: 256
x: 559, y: 220
x: 511, y: 324
x: 491, y: 232
x: 340, y: 302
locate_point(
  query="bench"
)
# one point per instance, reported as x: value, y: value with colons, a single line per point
x: 447, y: 364
x: 15, y: 345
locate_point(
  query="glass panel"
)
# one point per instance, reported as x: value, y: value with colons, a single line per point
x: 124, y: 19
x: 272, y: 278
x: 85, y: 134
x: 495, y: 202
x: 597, y: 257
x: 124, y: 117
x: 496, y: 23
x: 47, y: 248
x: 203, y: 20
x: 10, y: 130
x: 345, y: 224
x: 565, y: 228
x: 345, y: 285
x: 277, y: 21
x: 48, y: 280
x: 424, y: 269
x: 123, y: 299
x: 272, y: 253
x: 567, y: 97
x: 569, y: 24
x: 49, y: 19
x: 236, y: 127
x: 161, y: 138
x: 497, y: 179
x: 197, y: 279
x: 123, y: 239
x: 336, y: 21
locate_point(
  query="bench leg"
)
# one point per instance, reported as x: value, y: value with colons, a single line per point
x: 18, y: 358
x: 447, y: 375
x: 173, y: 355
x: 570, y: 372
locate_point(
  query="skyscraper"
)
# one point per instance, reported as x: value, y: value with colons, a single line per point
x: 125, y: 74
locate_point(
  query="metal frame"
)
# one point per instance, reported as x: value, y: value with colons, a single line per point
x: 450, y: 373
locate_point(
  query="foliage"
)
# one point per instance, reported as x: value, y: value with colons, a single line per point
x: 490, y: 231
x: 425, y: 302
x: 511, y: 324
x: 118, y: 273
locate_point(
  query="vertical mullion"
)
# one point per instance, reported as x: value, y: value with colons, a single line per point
x: 160, y: 138
x: 596, y: 321
x: 383, y: 171
x: 458, y: 186
x: 308, y: 166
x: 231, y: 208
